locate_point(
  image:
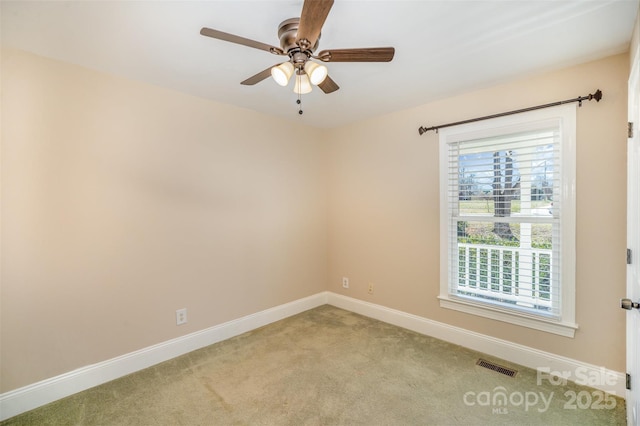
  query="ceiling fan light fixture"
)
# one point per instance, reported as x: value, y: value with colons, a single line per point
x: 316, y: 72
x: 303, y: 85
x: 299, y: 38
x: 282, y: 73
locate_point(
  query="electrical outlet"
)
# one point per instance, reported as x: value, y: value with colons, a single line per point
x: 370, y: 290
x: 181, y: 316
x: 345, y: 282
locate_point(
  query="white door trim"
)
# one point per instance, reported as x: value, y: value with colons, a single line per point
x: 633, y: 243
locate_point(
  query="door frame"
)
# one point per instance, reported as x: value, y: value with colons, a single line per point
x: 633, y: 243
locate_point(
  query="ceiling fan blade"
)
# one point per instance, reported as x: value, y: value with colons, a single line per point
x: 371, y: 54
x: 258, y: 77
x: 220, y: 35
x: 314, y: 13
x: 328, y: 85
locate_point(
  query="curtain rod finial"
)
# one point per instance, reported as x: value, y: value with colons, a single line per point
x: 422, y: 130
x: 598, y: 95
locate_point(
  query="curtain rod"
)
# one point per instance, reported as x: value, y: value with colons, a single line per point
x: 597, y: 96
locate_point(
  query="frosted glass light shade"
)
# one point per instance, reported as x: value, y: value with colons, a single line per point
x: 317, y: 73
x: 303, y: 85
x: 282, y: 73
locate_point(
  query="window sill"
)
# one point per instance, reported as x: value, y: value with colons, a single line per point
x: 550, y: 326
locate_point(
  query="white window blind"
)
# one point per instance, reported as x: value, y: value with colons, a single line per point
x: 504, y: 204
x: 507, y: 194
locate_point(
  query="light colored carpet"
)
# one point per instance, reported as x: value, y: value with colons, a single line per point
x: 328, y: 366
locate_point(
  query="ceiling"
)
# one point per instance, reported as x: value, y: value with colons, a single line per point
x: 443, y: 48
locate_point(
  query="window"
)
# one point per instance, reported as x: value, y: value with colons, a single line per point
x: 507, y: 243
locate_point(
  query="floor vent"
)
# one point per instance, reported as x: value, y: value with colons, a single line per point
x: 495, y: 367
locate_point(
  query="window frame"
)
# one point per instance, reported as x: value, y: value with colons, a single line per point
x: 565, y: 116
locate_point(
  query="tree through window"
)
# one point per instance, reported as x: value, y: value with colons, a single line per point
x: 507, y: 219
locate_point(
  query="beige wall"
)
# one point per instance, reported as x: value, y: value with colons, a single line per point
x: 635, y: 41
x: 384, y: 208
x: 123, y: 202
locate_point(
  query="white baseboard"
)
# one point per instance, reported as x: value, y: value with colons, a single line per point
x: 588, y: 374
x: 37, y: 394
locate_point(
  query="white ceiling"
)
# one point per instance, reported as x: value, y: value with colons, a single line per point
x: 443, y: 48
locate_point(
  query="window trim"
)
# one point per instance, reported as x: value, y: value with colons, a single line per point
x: 566, y: 114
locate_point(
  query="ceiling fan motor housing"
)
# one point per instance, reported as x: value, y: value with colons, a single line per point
x: 287, y: 33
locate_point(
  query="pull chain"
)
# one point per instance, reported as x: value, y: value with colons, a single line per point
x: 299, y: 101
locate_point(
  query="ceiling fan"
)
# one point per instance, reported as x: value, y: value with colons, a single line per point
x: 299, y: 39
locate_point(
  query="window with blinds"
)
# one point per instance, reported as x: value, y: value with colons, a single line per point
x: 507, y: 194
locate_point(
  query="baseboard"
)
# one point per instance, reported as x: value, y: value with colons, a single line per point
x: 597, y: 377
x: 37, y: 394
